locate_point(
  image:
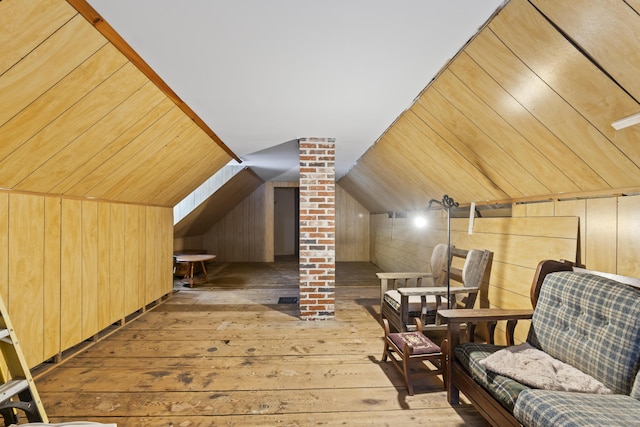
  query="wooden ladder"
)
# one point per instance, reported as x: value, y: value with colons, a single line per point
x: 18, y: 390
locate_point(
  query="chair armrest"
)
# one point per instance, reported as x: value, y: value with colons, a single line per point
x: 387, y: 279
x: 454, y: 318
x: 484, y: 315
x: 405, y: 275
x: 436, y: 290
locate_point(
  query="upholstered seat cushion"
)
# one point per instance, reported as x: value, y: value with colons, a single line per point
x: 419, y: 342
x: 504, y: 389
x: 543, y: 408
x: 392, y: 297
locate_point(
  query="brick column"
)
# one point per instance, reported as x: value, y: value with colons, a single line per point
x: 317, y: 228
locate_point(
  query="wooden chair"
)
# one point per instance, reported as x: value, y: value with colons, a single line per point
x: 390, y: 282
x: 471, y: 278
x: 408, y: 350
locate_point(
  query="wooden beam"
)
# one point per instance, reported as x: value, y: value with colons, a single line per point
x: 94, y: 18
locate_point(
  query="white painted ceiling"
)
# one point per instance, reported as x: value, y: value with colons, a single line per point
x: 262, y: 73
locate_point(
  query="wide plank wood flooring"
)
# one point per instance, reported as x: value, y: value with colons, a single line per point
x: 226, y: 353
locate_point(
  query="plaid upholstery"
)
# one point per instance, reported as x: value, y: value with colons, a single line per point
x: 504, y: 389
x: 543, y: 408
x: 591, y: 323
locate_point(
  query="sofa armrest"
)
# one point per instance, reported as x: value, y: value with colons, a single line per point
x: 455, y: 317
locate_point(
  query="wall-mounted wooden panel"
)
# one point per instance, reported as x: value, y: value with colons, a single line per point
x: 66, y: 278
x: 52, y: 276
x: 26, y: 276
x: 352, y: 228
x: 90, y: 266
x: 628, y: 241
x: 71, y: 262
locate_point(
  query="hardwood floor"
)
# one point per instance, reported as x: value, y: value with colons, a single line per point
x: 226, y: 353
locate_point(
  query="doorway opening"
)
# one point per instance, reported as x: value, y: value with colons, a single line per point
x: 286, y: 227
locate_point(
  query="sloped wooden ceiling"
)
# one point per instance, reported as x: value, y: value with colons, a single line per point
x: 79, y: 118
x: 234, y: 191
x: 522, y: 113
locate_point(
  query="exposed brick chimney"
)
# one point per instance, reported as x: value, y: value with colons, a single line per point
x: 317, y: 228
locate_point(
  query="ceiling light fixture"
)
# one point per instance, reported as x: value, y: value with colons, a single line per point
x: 633, y: 119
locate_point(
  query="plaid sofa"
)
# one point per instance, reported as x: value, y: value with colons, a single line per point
x: 590, y: 322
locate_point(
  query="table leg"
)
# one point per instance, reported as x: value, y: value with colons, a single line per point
x: 191, y: 276
x: 206, y: 276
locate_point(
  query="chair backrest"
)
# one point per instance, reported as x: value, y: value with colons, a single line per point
x: 474, y: 268
x: 439, y: 263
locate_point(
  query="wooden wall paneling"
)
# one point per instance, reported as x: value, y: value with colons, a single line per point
x: 58, y: 99
x: 601, y: 234
x: 242, y: 234
x: 132, y: 264
x: 576, y: 171
x: 470, y: 178
x: 90, y: 311
x: 635, y: 4
x: 104, y: 265
x: 132, y: 155
x: 106, y: 128
x: 44, y: 17
x: 71, y: 270
x: 152, y: 267
x: 262, y: 200
x: 167, y: 255
x: 50, y: 62
x: 363, y: 189
x: 31, y: 155
x: 628, y: 263
x: 4, y: 246
x: 52, y: 275
x: 159, y: 159
x: 518, y: 210
x: 205, y: 159
x: 142, y: 252
x: 550, y: 109
x: 512, y: 247
x: 117, y: 260
x: 26, y: 275
x: 478, y: 149
x: 109, y: 157
x: 352, y: 228
x: 203, y: 216
x: 405, y: 162
x: 590, y: 91
x: 376, y: 179
x: 576, y: 208
x: 540, y: 209
x: 606, y: 30
x: 522, y: 155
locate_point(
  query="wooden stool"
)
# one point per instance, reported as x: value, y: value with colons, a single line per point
x: 412, y: 346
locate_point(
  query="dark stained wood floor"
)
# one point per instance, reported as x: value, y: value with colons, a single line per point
x: 226, y: 353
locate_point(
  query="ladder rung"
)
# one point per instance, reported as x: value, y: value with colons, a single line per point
x: 12, y: 387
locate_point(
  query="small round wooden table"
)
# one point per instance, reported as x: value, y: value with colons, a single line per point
x: 192, y: 259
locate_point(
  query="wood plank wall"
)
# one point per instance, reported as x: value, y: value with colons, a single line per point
x: 245, y: 234
x: 70, y: 268
x: 518, y: 245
